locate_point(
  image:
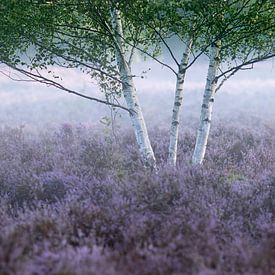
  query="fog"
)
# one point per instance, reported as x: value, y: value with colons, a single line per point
x: 250, y: 93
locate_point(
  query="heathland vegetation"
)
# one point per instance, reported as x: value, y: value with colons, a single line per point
x: 76, y: 203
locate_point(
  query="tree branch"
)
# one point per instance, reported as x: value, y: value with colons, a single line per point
x: 39, y: 78
x: 250, y: 62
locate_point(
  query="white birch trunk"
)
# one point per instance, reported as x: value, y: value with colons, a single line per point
x: 207, y: 105
x: 174, y: 129
x: 130, y: 95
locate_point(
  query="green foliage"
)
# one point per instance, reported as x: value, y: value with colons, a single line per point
x: 71, y: 34
x: 78, y: 34
x: 246, y: 28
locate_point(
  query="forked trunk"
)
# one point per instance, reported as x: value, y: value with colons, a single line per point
x: 207, y: 105
x: 174, y: 129
x: 130, y: 95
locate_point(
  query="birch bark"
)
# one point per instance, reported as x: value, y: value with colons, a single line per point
x: 207, y: 105
x: 130, y: 95
x: 174, y: 129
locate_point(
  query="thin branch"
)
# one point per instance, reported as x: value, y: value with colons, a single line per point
x: 162, y: 39
x: 130, y: 61
x: 250, y: 62
x: 81, y: 28
x: 166, y: 45
x: 229, y: 76
x: 39, y: 78
x: 200, y: 54
x: 156, y: 59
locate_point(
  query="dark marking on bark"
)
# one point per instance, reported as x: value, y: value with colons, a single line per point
x: 204, y: 106
x: 207, y: 120
x: 215, y: 80
x: 132, y: 112
x: 213, y: 44
x: 175, y: 123
x: 182, y: 71
x: 211, y: 99
x: 177, y: 103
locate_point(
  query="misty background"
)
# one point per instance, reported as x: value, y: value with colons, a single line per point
x: 249, y: 96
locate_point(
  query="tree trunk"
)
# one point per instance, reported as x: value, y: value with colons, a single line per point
x: 207, y: 105
x: 130, y: 95
x: 174, y: 129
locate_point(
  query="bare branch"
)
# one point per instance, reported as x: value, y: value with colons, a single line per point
x: 225, y: 79
x: 130, y: 61
x: 246, y: 63
x: 39, y: 78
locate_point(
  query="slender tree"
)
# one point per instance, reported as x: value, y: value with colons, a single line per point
x: 243, y: 34
x: 130, y: 92
x: 208, y: 101
x: 87, y: 35
x: 174, y: 128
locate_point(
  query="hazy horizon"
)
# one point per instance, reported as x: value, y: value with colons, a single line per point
x: 25, y: 103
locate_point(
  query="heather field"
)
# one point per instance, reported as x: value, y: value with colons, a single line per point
x: 78, y: 201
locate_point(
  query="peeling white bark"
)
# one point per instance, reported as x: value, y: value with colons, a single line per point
x: 130, y: 95
x: 174, y: 129
x: 207, y: 105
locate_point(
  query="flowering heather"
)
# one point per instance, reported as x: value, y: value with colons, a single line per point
x: 75, y: 202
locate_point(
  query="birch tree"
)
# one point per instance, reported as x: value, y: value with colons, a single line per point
x: 174, y: 128
x: 243, y: 35
x: 87, y: 35
x: 208, y: 102
x: 130, y: 92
